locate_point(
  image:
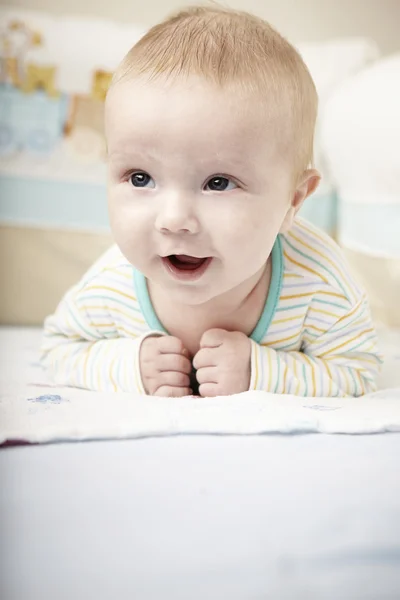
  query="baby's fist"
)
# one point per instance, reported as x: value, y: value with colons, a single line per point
x: 223, y: 363
x: 165, y: 367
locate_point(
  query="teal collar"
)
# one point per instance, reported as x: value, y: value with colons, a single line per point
x: 268, y: 312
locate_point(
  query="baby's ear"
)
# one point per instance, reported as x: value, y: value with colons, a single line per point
x: 306, y: 186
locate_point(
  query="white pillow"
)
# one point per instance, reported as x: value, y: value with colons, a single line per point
x: 332, y: 62
x: 360, y: 133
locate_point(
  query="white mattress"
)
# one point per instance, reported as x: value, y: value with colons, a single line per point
x: 33, y: 409
x: 202, y: 517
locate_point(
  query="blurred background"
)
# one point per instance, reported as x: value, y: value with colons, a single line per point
x: 56, y: 61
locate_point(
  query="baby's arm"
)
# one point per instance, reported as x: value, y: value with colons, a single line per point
x: 342, y: 361
x: 76, y: 352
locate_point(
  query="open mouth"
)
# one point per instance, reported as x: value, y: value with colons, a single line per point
x: 186, y: 263
x: 183, y: 266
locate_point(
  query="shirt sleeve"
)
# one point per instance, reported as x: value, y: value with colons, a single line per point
x: 75, y: 352
x: 342, y: 361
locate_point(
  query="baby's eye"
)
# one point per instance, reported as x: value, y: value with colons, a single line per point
x: 141, y: 180
x: 220, y: 184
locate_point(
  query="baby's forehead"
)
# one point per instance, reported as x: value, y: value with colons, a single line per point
x: 195, y: 102
x: 193, y: 124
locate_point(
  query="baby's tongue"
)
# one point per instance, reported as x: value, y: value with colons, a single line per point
x: 186, y: 263
x: 189, y: 260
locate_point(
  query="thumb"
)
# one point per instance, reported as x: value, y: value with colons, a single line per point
x: 213, y: 338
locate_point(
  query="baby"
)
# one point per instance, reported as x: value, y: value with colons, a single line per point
x: 215, y: 285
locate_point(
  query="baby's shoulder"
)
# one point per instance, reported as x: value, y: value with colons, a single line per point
x: 112, y: 261
x: 111, y: 273
x: 311, y: 256
x: 105, y: 298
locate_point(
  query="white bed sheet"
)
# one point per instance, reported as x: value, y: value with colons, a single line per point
x: 33, y: 409
x: 202, y: 517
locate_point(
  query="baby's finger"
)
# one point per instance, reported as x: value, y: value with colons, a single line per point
x: 209, y: 390
x: 207, y: 375
x: 213, y: 338
x: 206, y: 357
x: 170, y: 345
x: 174, y: 379
x: 173, y: 362
x: 166, y: 391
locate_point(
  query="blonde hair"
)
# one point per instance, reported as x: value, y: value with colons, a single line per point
x: 230, y: 49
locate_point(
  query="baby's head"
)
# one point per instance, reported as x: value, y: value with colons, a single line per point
x: 210, y: 123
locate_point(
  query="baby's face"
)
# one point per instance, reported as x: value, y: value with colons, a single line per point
x: 198, y: 186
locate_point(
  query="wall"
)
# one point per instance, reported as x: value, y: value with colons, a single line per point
x: 300, y: 20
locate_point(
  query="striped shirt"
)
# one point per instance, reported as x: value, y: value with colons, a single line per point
x: 314, y: 338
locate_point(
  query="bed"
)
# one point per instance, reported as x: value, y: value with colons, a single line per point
x: 199, y: 516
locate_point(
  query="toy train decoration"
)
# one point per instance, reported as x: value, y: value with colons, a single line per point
x: 35, y: 116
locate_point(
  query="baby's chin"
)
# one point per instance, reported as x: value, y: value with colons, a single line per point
x: 191, y: 295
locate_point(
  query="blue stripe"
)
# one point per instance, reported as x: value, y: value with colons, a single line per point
x: 283, y: 308
x: 305, y: 379
x: 330, y: 303
x: 316, y: 262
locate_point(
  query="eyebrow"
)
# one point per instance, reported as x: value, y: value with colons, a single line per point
x: 234, y: 161
x: 128, y: 152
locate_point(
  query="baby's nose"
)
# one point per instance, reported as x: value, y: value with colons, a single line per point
x: 177, y: 215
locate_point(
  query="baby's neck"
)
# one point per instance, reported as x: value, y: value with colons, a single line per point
x: 237, y: 310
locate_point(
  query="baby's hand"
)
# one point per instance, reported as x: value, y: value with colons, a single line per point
x: 165, y: 367
x: 223, y: 363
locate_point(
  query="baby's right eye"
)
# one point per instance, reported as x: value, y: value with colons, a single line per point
x: 140, y: 179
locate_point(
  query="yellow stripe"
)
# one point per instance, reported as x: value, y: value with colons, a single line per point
x: 290, y: 337
x: 269, y: 371
x: 295, y: 374
x: 353, y: 339
x: 373, y: 348
x: 127, y: 275
x: 349, y: 314
x: 311, y: 232
x: 349, y: 381
x: 321, y: 254
x: 118, y: 328
x: 255, y: 350
x: 312, y: 367
x: 115, y: 310
x: 117, y: 270
x: 330, y: 379
x: 130, y: 334
x: 99, y: 374
x: 310, y: 326
x: 290, y: 274
x: 285, y: 391
x: 110, y: 373
x: 360, y: 358
x: 110, y: 289
x: 286, y: 319
x: 362, y: 382
x: 302, y: 266
x: 323, y: 312
x: 305, y: 294
x: 54, y: 333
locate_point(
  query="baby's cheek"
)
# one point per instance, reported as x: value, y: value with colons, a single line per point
x: 127, y: 222
x: 244, y: 225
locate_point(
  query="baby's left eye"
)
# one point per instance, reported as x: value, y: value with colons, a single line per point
x: 220, y: 184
